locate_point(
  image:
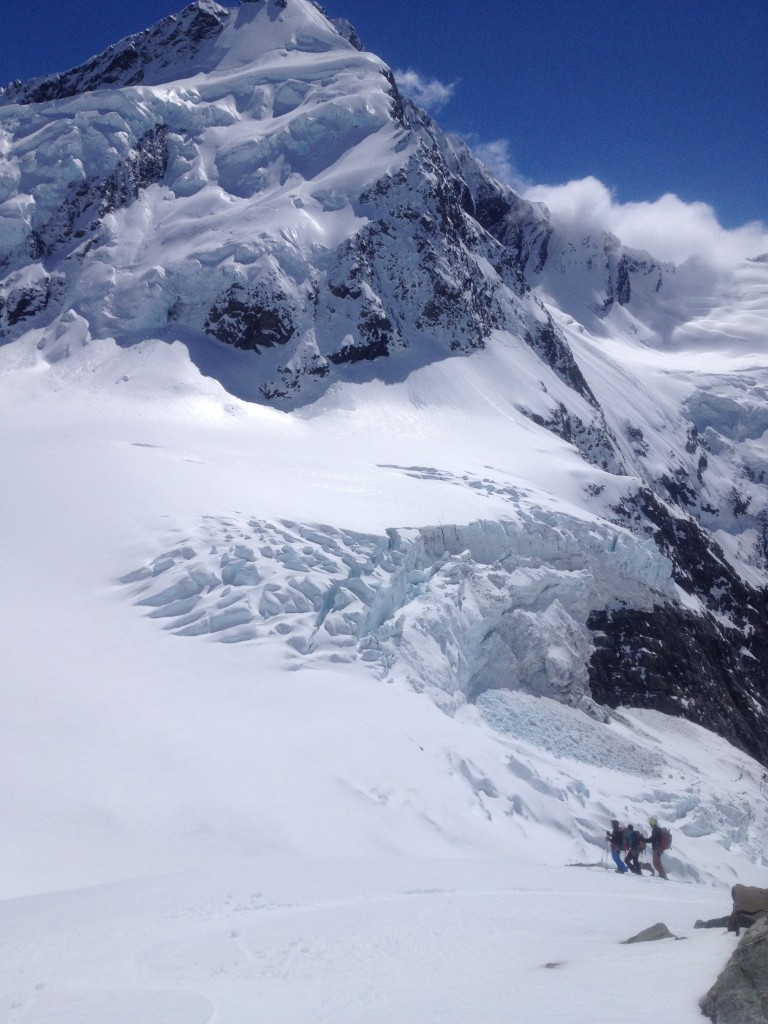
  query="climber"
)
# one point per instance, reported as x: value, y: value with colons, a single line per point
x: 656, y: 839
x: 634, y: 845
x: 616, y: 838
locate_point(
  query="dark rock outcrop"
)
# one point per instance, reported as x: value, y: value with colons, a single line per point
x: 750, y: 903
x: 252, y: 320
x: 652, y: 934
x: 740, y: 994
x: 714, y: 922
x: 682, y: 663
x: 594, y: 439
x: 708, y: 665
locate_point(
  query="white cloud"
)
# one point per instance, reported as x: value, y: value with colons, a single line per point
x: 497, y: 158
x: 429, y: 93
x: 668, y: 227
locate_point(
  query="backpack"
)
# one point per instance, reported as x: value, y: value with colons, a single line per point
x: 666, y: 839
x: 632, y: 840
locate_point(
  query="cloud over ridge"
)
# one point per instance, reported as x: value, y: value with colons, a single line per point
x: 430, y: 93
x: 668, y: 227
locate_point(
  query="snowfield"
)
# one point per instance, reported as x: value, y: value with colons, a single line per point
x: 310, y: 823
x: 374, y: 940
x: 322, y: 453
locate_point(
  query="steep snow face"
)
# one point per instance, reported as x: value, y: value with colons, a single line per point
x: 147, y: 207
x: 252, y: 185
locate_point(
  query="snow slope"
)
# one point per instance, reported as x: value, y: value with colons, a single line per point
x: 300, y: 719
x: 350, y: 942
x: 285, y: 825
x: 249, y: 184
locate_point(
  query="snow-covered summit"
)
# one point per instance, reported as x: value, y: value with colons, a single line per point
x: 203, y: 38
x: 241, y: 209
x: 369, y: 539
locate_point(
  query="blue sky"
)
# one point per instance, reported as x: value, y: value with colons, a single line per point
x: 649, y: 97
x: 643, y: 97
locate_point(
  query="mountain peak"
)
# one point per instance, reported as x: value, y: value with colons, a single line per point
x: 202, y: 38
x: 171, y: 43
x: 245, y: 184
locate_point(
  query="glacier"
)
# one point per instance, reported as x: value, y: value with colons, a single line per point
x: 457, y: 609
x: 371, y: 537
x: 252, y: 185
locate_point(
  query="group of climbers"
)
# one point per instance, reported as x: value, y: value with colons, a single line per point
x: 628, y: 843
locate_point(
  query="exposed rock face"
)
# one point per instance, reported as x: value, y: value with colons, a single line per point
x: 711, y: 661
x: 714, y: 922
x: 740, y: 994
x: 607, y: 269
x: 749, y: 901
x: 255, y: 319
x: 672, y: 660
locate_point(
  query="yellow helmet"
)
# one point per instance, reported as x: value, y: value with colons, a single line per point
x: 652, y: 821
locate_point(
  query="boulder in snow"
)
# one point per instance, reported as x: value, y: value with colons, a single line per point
x: 740, y: 994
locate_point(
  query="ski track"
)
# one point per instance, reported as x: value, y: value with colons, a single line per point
x: 430, y: 954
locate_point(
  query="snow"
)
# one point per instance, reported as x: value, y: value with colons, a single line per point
x: 286, y: 827
x: 297, y: 720
x: 350, y: 941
